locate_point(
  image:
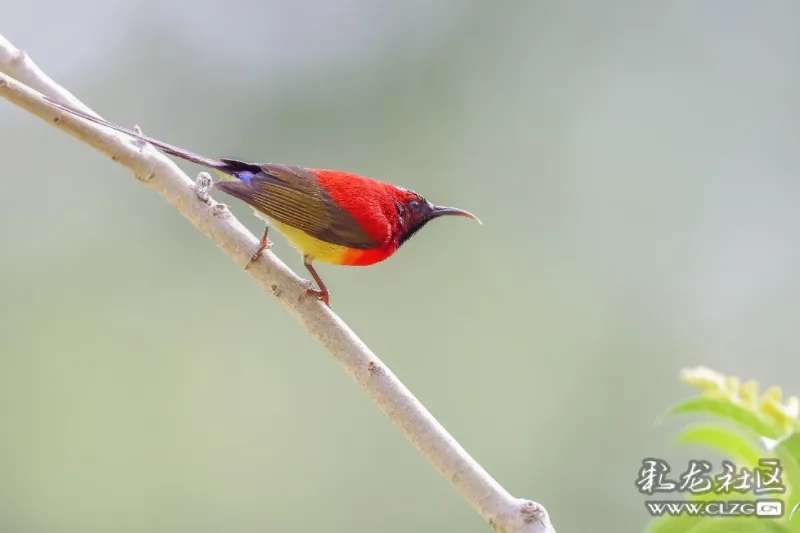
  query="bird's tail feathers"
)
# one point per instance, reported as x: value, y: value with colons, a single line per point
x: 164, y: 147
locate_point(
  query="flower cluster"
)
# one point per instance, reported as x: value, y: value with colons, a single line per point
x: 771, y: 405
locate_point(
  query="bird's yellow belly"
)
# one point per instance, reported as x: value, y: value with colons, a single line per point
x: 316, y: 249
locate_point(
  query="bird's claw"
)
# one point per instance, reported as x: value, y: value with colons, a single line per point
x: 322, y: 296
x: 320, y: 293
x: 261, y: 248
x: 266, y: 245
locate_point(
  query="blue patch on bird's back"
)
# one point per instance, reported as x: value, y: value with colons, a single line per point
x: 245, y: 175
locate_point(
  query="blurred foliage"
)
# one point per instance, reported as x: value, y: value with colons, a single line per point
x: 748, y: 428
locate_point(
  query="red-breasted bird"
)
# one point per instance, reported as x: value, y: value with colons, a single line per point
x: 329, y: 216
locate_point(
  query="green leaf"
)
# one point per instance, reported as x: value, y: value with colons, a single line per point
x: 790, y: 447
x: 741, y: 525
x: 674, y: 524
x: 737, y: 447
x: 726, y: 410
x: 740, y: 449
x: 788, y: 451
x: 697, y: 524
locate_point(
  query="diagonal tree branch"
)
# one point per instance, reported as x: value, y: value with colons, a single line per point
x: 20, y: 79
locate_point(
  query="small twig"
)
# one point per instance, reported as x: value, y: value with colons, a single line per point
x: 504, y: 512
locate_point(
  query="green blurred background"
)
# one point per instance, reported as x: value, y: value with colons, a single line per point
x: 636, y: 169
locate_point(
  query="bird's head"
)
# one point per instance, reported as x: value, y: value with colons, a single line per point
x: 414, y: 211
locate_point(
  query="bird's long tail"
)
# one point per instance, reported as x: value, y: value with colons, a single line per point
x: 164, y: 147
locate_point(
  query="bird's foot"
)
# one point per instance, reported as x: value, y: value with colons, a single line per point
x: 265, y: 244
x: 322, y: 293
x: 323, y: 296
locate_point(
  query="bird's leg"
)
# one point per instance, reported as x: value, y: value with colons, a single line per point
x: 322, y: 293
x: 265, y: 244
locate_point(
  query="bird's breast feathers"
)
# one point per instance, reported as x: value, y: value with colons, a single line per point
x: 325, y: 252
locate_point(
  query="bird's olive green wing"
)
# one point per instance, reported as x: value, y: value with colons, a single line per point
x: 292, y: 195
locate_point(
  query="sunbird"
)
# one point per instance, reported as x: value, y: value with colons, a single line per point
x: 329, y: 216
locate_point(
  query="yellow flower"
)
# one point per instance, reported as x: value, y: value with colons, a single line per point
x: 784, y: 414
x: 749, y: 393
x: 773, y: 395
x: 732, y: 384
x: 770, y: 406
x: 707, y: 380
x: 792, y: 407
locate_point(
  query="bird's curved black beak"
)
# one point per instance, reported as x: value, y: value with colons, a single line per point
x: 439, y: 211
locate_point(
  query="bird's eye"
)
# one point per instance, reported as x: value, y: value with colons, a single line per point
x: 413, y: 205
